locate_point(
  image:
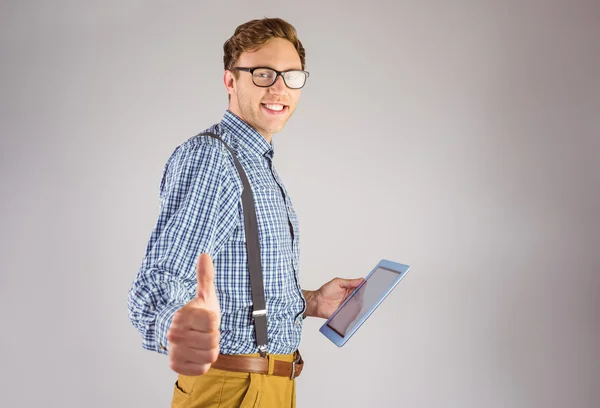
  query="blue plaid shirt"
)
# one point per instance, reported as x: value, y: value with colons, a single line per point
x: 201, y: 211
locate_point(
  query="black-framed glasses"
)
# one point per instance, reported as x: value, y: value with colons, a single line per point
x: 265, y: 77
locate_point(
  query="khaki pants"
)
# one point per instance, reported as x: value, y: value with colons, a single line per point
x: 229, y: 389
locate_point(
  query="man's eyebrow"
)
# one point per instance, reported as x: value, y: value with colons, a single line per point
x: 283, y: 70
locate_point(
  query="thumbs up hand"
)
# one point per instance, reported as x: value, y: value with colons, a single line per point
x: 194, y: 333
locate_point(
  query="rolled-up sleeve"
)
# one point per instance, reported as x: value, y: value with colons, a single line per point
x: 198, y: 212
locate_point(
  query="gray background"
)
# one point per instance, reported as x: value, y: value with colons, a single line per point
x: 478, y: 121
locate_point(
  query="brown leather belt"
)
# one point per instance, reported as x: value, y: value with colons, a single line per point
x: 260, y: 365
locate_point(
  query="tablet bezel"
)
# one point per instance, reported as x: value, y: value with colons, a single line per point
x: 332, y: 335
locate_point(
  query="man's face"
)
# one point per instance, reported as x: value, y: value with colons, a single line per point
x: 260, y: 107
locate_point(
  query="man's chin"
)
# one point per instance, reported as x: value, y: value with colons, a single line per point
x: 276, y: 127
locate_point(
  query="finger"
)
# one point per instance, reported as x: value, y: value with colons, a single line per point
x: 196, y: 319
x: 183, y: 353
x: 205, y: 275
x: 188, y: 368
x: 184, y: 359
x: 201, y: 356
x: 194, y: 339
x: 350, y: 283
x: 201, y: 340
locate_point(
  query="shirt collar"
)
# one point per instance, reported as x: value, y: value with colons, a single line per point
x: 248, y: 136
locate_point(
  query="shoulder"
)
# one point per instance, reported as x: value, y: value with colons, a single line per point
x: 200, y: 150
x: 202, y: 156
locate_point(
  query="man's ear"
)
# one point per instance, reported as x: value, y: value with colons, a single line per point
x: 229, y: 82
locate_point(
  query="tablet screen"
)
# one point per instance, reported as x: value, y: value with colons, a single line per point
x: 363, y: 300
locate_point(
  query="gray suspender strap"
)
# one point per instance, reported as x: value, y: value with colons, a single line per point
x: 259, y: 312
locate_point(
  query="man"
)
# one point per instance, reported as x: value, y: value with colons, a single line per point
x: 201, y: 314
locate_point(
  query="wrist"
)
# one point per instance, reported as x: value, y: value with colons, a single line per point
x: 311, y: 303
x: 163, y: 323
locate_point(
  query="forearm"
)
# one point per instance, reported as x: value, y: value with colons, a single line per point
x: 153, y: 299
x: 185, y: 228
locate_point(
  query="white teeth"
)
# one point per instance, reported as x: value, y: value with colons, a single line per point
x: 275, y: 107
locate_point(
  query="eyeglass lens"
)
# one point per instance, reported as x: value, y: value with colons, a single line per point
x: 266, y: 77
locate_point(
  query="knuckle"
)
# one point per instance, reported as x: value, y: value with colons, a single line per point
x: 174, y: 336
x: 179, y: 313
x: 177, y: 319
x: 212, y: 318
x: 174, y: 365
x: 201, y: 314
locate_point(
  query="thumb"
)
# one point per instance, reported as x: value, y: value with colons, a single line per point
x: 205, y: 274
x: 351, y: 283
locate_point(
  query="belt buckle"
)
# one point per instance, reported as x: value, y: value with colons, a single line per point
x: 293, y: 370
x: 297, y: 360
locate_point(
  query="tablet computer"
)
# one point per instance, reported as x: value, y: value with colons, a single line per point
x: 363, y: 301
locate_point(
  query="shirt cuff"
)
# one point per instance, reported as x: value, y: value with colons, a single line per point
x: 163, y: 323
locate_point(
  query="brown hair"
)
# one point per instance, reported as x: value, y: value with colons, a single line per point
x: 252, y: 34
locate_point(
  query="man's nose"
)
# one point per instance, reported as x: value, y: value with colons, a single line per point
x: 279, y: 86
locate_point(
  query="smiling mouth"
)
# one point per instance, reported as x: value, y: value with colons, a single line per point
x: 275, y: 108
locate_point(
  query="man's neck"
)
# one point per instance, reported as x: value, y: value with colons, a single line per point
x: 268, y: 136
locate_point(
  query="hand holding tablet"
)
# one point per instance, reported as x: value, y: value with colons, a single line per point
x: 363, y: 301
